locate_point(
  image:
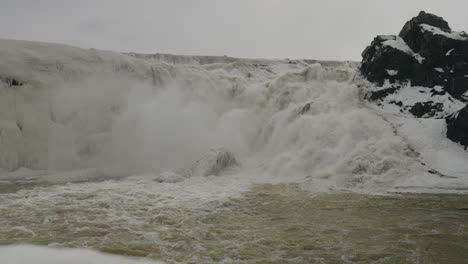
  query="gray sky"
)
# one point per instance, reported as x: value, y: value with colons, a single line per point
x: 328, y: 29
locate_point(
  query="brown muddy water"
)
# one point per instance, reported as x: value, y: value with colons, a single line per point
x: 268, y: 224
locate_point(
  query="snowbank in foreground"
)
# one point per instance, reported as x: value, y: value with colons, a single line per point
x: 27, y: 254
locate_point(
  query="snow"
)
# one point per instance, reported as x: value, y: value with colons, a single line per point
x: 399, y: 43
x: 387, y: 37
x: 28, y: 254
x: 409, y: 95
x: 392, y: 72
x: 427, y: 137
x: 437, y: 31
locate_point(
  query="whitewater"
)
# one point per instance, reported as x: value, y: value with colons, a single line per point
x: 114, y: 152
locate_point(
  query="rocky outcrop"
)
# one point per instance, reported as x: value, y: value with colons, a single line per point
x: 427, y: 108
x: 422, y: 72
x: 388, y: 58
x: 426, y: 53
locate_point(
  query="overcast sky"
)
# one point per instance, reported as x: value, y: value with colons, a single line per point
x: 328, y: 29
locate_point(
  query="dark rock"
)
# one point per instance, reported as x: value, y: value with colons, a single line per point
x: 424, y: 18
x: 426, y: 109
x: 458, y: 86
x: 430, y: 54
x: 20, y: 126
x: 305, y: 109
x: 434, y: 92
x: 379, y: 60
x: 411, y: 31
x: 399, y: 103
x: 13, y: 82
x: 380, y: 94
x: 457, y: 127
x: 438, y: 173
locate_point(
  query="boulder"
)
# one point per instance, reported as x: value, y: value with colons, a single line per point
x: 169, y: 177
x: 379, y: 95
x: 214, y: 163
x: 426, y: 109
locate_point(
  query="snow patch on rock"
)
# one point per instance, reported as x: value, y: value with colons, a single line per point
x: 437, y: 31
x: 399, y: 44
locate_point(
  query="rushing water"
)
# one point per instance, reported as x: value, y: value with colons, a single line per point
x: 268, y: 224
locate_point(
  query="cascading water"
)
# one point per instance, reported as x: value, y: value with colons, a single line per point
x: 111, y: 115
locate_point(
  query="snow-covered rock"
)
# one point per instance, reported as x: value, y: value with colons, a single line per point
x: 422, y: 73
x: 169, y: 177
x: 388, y: 58
x: 426, y: 53
x: 214, y: 163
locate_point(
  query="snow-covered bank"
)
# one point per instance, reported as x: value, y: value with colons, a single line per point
x: 21, y: 254
x: 445, y: 160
